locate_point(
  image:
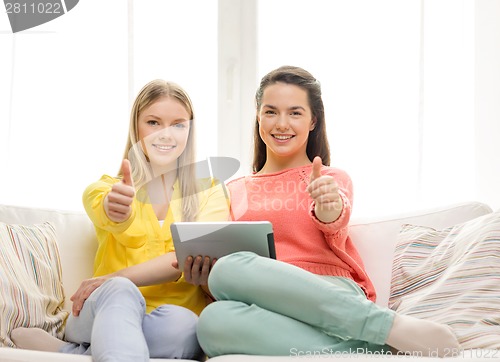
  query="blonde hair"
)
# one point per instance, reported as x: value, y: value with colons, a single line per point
x: 141, y: 168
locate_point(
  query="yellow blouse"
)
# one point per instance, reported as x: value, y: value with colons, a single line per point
x: 142, y: 238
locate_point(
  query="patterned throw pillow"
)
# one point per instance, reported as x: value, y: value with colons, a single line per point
x: 31, y: 290
x: 452, y: 276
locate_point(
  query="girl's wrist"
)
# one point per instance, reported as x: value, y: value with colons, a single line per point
x: 329, y: 215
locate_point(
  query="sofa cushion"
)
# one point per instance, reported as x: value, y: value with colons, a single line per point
x: 452, y: 276
x: 376, y: 237
x: 76, y: 240
x: 31, y: 287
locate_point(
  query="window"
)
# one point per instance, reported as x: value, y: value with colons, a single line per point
x: 67, y: 88
x: 393, y: 96
x: 411, y: 105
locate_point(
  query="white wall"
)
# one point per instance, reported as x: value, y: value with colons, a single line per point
x: 64, y: 101
x: 487, y: 101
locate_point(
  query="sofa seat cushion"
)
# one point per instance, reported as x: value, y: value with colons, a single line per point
x: 452, y: 276
x: 31, y: 290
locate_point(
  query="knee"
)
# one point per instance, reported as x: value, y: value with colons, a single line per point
x: 233, y: 261
x: 121, y: 290
x: 228, y: 269
x: 119, y: 285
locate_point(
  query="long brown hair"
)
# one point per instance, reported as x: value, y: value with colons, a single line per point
x: 317, y: 143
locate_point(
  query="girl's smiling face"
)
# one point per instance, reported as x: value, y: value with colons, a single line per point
x: 285, y: 120
x: 163, y: 129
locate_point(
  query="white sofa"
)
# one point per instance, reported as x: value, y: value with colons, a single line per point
x: 375, y: 238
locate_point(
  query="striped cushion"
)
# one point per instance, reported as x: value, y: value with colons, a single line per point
x: 452, y: 276
x: 31, y: 291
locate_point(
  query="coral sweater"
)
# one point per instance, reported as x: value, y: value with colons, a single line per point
x: 300, y: 238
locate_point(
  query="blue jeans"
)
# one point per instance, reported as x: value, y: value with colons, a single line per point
x: 113, y: 326
x: 268, y: 307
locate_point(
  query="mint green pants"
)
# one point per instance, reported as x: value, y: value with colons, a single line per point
x: 268, y: 307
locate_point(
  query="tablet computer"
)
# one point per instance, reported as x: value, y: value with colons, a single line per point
x: 216, y: 239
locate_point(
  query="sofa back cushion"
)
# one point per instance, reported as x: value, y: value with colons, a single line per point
x: 31, y: 290
x: 376, y: 238
x: 75, y: 236
x: 452, y: 276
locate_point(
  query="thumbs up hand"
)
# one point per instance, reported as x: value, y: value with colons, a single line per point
x: 325, y: 193
x: 117, y: 203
